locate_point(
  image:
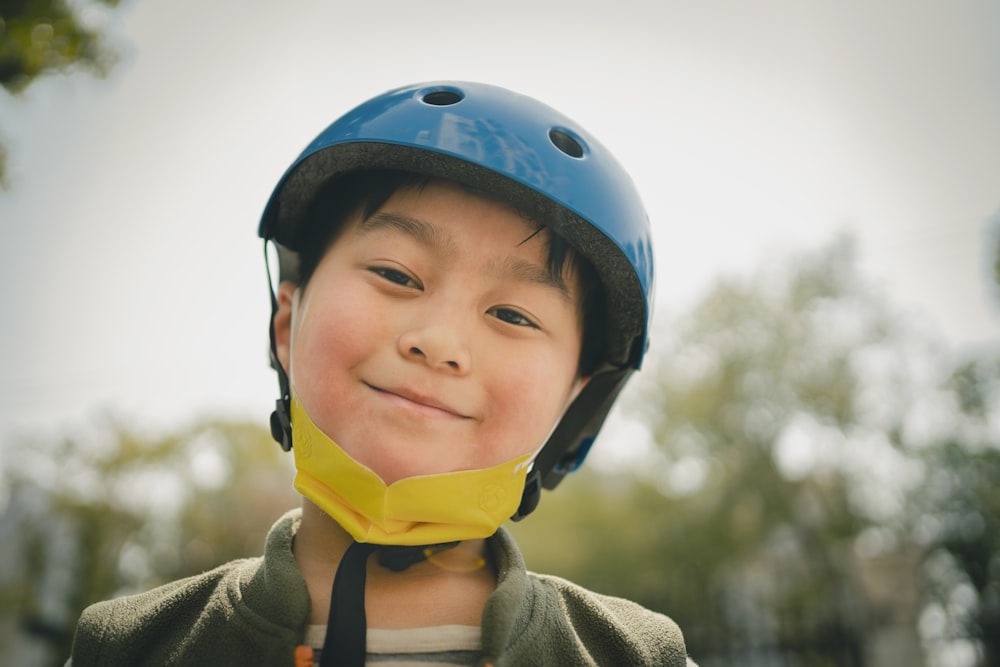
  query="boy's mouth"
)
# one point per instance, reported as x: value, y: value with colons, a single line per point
x: 427, y: 405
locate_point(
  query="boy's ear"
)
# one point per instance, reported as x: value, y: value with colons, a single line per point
x: 283, y: 322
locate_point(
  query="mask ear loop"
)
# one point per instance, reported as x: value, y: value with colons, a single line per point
x: 281, y: 422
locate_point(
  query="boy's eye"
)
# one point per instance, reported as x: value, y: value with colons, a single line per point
x: 512, y: 317
x: 395, y: 276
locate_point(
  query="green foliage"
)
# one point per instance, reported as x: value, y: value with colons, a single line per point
x: 47, y: 36
x: 959, y: 506
x: 110, y: 513
x: 41, y: 36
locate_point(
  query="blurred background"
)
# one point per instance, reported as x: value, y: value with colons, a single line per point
x: 807, y: 472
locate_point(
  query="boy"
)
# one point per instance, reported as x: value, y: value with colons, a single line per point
x: 465, y: 279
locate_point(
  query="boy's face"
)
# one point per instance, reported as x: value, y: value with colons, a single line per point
x: 431, y: 337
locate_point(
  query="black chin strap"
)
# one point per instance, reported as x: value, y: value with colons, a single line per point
x: 281, y: 420
x: 347, y: 626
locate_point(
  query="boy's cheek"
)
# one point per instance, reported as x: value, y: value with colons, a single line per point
x: 539, y: 399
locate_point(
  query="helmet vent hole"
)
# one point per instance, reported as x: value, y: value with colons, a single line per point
x: 566, y: 142
x: 443, y: 98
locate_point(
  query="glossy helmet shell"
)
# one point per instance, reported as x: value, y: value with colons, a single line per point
x: 523, y: 152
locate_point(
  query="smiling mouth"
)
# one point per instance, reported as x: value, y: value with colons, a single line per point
x: 424, y: 405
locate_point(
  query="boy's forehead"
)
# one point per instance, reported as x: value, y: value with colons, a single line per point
x: 494, y: 198
x: 398, y: 212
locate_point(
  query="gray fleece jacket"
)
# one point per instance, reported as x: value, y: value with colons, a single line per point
x: 254, y: 612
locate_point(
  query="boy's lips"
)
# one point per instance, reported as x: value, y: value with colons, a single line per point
x: 425, y: 403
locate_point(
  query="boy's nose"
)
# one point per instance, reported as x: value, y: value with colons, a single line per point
x: 437, y: 346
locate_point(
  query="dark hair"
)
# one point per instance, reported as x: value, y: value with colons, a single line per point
x: 365, y: 192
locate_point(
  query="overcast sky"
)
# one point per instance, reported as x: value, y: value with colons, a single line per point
x: 134, y: 277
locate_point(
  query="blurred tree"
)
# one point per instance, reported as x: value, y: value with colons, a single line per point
x: 958, y: 515
x: 41, y: 36
x: 113, y: 513
x: 748, y: 405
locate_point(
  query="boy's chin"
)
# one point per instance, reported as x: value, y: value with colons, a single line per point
x: 393, y: 464
x: 394, y: 468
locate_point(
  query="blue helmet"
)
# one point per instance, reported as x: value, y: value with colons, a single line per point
x: 527, y: 154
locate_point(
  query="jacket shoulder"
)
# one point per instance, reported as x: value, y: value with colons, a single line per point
x: 613, y: 630
x: 248, y: 611
x: 150, y: 627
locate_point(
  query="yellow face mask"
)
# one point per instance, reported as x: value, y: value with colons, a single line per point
x: 426, y: 509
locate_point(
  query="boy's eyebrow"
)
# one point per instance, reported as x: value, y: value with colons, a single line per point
x: 421, y: 231
x: 529, y: 272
